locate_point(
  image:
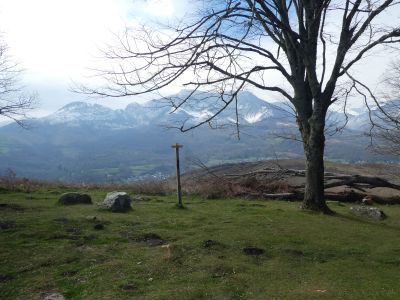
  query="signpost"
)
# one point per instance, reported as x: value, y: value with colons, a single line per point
x: 178, y: 175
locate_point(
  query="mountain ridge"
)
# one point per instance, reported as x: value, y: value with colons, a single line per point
x: 84, y: 142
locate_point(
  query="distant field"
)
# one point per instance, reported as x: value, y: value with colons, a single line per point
x: 48, y: 248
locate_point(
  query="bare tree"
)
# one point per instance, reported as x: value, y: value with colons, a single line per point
x: 301, y: 50
x: 14, y: 102
x: 386, y: 117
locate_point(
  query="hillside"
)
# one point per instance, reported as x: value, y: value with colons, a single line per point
x: 48, y: 249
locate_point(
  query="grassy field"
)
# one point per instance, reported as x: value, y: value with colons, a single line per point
x: 49, y: 248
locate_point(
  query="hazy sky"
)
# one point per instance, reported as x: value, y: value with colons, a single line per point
x: 56, y: 40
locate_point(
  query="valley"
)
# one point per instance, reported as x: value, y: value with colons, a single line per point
x: 84, y: 142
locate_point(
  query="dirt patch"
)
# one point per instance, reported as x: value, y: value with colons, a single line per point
x: 99, y: 226
x: 74, y: 230
x: 11, y: 206
x: 6, y: 277
x: 128, y: 286
x: 60, y: 236
x: 70, y: 273
x: 253, y: 251
x: 47, y: 263
x: 71, y: 260
x: 211, y: 244
x: 293, y: 252
x: 7, y: 224
x: 127, y: 235
x: 220, y: 272
x: 61, y: 220
x: 90, y: 237
x: 72, y: 233
x: 152, y: 239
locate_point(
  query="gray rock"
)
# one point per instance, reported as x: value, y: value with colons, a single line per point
x: 141, y: 198
x: 117, y: 201
x: 54, y: 296
x: 370, y: 212
x: 74, y: 198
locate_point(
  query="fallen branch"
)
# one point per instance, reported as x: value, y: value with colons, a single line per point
x: 265, y: 184
x: 358, y: 180
x: 347, y: 197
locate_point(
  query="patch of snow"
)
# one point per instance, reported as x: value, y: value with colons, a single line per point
x: 258, y: 116
x: 289, y: 125
x: 197, y: 115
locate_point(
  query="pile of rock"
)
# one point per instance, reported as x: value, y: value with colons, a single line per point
x: 370, y: 212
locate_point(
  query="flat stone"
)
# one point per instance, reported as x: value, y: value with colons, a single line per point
x: 92, y: 218
x: 369, y: 212
x: 141, y: 198
x: 54, y: 296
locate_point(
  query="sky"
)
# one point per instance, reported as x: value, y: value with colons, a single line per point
x: 56, y: 41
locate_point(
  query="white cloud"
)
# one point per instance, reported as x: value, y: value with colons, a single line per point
x: 57, y: 38
x: 162, y: 8
x: 57, y: 41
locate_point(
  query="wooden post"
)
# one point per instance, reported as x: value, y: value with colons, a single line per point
x: 178, y: 175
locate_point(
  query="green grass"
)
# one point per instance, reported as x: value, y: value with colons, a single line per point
x: 307, y: 256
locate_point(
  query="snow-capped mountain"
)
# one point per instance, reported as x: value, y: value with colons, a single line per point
x: 251, y: 110
x: 90, y: 142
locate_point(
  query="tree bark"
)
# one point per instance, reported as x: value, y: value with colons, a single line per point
x: 313, y: 136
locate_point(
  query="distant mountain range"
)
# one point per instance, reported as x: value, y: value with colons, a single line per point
x: 84, y: 142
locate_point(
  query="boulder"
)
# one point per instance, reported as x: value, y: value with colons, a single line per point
x: 74, y: 198
x: 370, y: 212
x: 117, y: 201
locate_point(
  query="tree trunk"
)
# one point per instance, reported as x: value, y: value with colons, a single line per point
x: 312, y: 131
